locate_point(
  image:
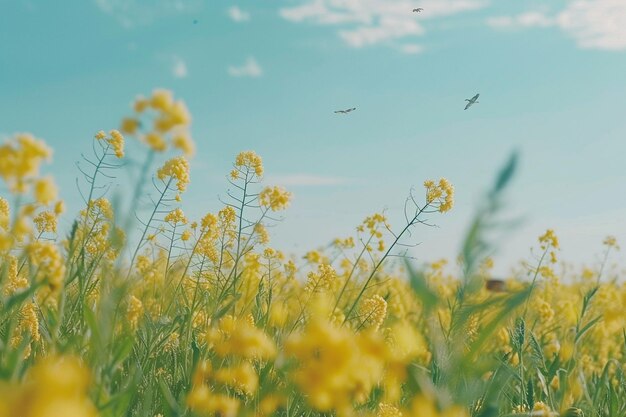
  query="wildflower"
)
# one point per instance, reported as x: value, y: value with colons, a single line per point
x: 48, y: 260
x: 117, y: 142
x: 337, y: 368
x: 241, y: 339
x: 275, y: 198
x: 440, y: 194
x: 45, y: 191
x: 46, y: 221
x: 250, y: 161
x: 269, y: 404
x: 141, y: 104
x: 209, y: 222
x: 20, y: 159
x: 156, y: 142
x: 262, y: 234
x: 388, y: 410
x: 134, y: 311
x: 161, y: 100
x: 546, y: 313
x: 59, y: 207
x: 611, y: 242
x: 203, y: 401
x: 184, y: 143
x: 541, y: 409
x: 325, y: 279
x: 185, y: 235
x: 227, y: 215
x: 373, y: 311
x: 555, y: 383
x: 173, y: 340
x: 176, y: 169
x: 242, y: 378
x: 129, y: 125
x: 4, y: 213
x: 15, y: 281
x: 56, y: 386
x: 175, y: 216
x: 549, y: 239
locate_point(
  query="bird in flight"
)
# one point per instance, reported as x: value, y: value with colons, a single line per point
x: 471, y: 101
x: 418, y: 10
x: 345, y: 111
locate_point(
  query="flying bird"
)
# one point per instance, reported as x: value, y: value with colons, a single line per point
x: 418, y: 10
x: 345, y: 111
x: 472, y: 101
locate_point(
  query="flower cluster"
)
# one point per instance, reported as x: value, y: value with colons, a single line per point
x: 171, y: 122
x: 275, y: 198
x: 115, y: 140
x: 440, y: 195
x: 201, y: 317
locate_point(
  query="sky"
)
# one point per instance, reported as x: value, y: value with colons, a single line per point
x: 268, y: 75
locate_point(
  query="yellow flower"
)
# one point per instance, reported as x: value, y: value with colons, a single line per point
x: 20, y: 158
x: 337, y: 368
x: 324, y: 279
x: 175, y: 216
x: 156, y: 142
x: 117, y: 142
x: 46, y: 257
x: 134, y: 311
x: 129, y: 125
x: 241, y: 339
x: 262, y: 234
x: 275, y: 198
x: 549, y: 239
x: 141, y: 104
x: 242, y: 377
x: 373, y: 312
x: 4, y: 213
x: 177, y: 169
x: 172, y: 342
x: 46, y: 221
x: 59, y: 207
x: 185, y: 236
x: 388, y: 410
x: 440, y: 195
x: 184, y: 143
x: 250, y: 161
x: 56, y: 387
x: 161, y: 100
x: 45, y: 191
x: 611, y: 242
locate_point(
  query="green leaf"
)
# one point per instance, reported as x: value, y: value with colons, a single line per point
x: 506, y: 173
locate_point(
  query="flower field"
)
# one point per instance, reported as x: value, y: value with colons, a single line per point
x: 164, y: 315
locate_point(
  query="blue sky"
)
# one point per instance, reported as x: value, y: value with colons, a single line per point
x: 268, y: 75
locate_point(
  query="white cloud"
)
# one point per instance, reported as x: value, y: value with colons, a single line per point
x: 131, y: 13
x: 238, y: 15
x: 179, y: 68
x: 305, y: 180
x: 250, y: 68
x: 594, y: 24
x: 411, y: 48
x: 524, y: 20
x: 369, y: 22
x: 597, y: 24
